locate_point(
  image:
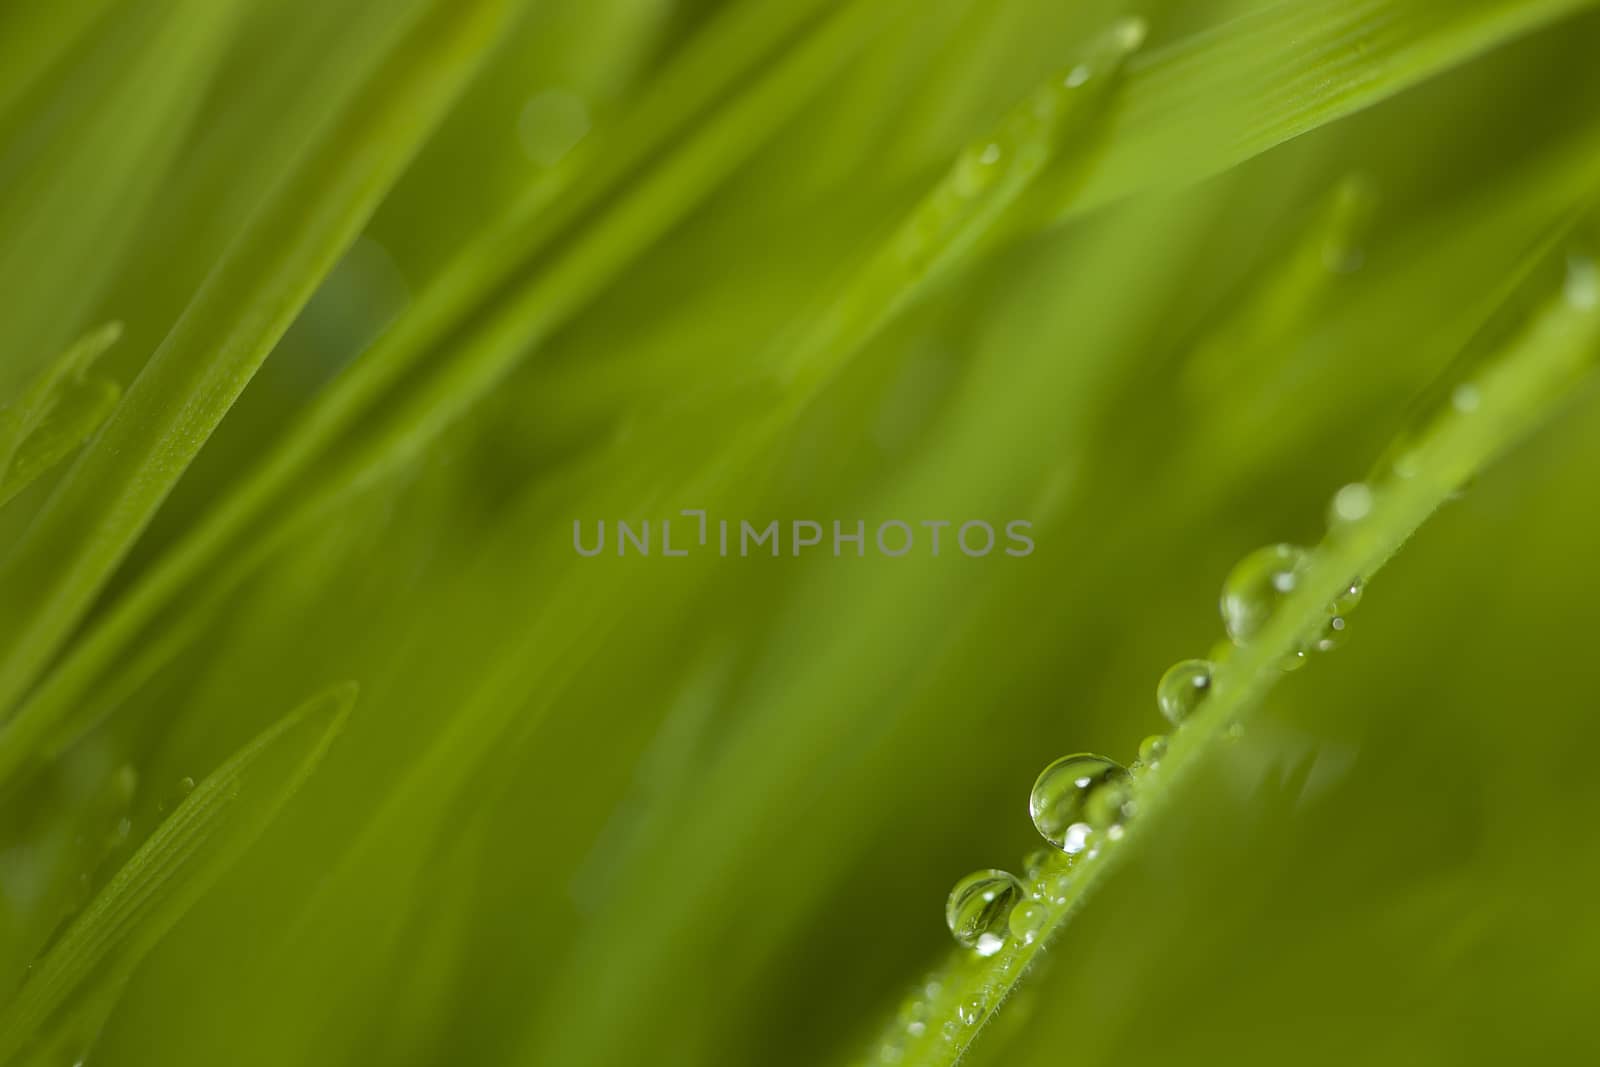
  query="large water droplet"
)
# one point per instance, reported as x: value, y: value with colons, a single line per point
x: 1060, y: 800
x: 1182, y: 689
x: 979, y: 909
x: 1256, y: 586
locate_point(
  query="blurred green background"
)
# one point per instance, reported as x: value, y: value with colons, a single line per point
x: 705, y: 811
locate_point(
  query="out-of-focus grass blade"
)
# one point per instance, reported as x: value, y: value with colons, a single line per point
x: 1203, y: 104
x: 60, y: 410
x: 180, y: 861
x: 227, y: 330
x: 76, y: 174
x: 485, y: 352
x: 34, y: 36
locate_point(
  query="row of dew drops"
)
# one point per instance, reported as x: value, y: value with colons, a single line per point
x: 1083, y: 801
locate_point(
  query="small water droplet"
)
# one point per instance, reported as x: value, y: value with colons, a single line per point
x: 1057, y: 889
x: 1077, y: 76
x: 1334, y: 634
x: 979, y: 908
x: 1293, y: 661
x: 1235, y: 730
x: 1036, y: 861
x: 1466, y: 399
x: 1153, y: 749
x: 1347, y: 601
x: 1060, y: 799
x: 976, y: 169
x: 1256, y: 586
x: 1350, y: 504
x: 1182, y: 689
x: 971, y: 1010
x: 1027, y: 920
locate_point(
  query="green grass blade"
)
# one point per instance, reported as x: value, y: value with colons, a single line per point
x: 35, y: 36
x: 75, y: 176
x: 229, y: 328
x: 59, y: 411
x: 185, y: 855
x: 485, y: 352
x: 1200, y: 105
x: 1513, y: 389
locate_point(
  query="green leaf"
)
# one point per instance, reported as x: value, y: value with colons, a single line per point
x: 1527, y: 362
x: 57, y: 413
x: 180, y: 861
x: 241, y: 311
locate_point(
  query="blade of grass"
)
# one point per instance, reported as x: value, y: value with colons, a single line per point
x: 185, y: 855
x: 60, y: 409
x: 76, y: 175
x: 34, y: 36
x: 1515, y: 389
x: 1203, y: 104
x: 484, y: 353
x: 50, y: 580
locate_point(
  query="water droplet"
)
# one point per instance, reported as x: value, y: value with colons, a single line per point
x: 1346, y: 601
x: 1235, y: 730
x: 1334, y: 633
x: 976, y: 169
x: 1036, y: 861
x: 179, y: 793
x: 1293, y: 661
x: 1077, y: 838
x: 1466, y: 398
x: 971, y: 1010
x: 1108, y: 807
x: 1060, y: 798
x: 1182, y: 689
x: 1057, y: 889
x: 1350, y: 504
x: 1153, y: 749
x: 1124, y: 38
x: 1027, y: 920
x: 1582, y: 288
x: 979, y: 908
x: 1254, y: 588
